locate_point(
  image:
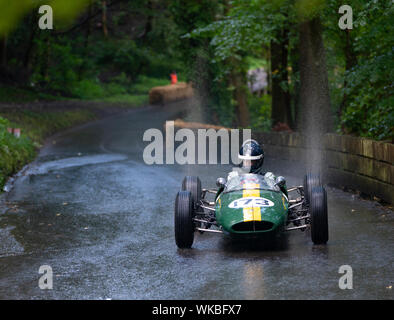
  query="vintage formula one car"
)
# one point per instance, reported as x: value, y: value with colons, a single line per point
x: 249, y: 205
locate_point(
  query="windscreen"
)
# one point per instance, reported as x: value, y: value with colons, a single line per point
x: 250, y: 181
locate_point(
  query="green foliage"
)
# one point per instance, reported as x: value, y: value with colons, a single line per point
x: 370, y: 111
x: 367, y: 86
x: 206, y: 42
x: 145, y: 83
x: 119, y: 90
x: 87, y: 89
x: 128, y: 100
x: 18, y: 95
x: 308, y: 9
x: 221, y: 106
x: 161, y: 65
x: 38, y: 125
x: 260, y: 112
x: 121, y: 55
x: 11, y: 12
x: 14, y: 152
x: 254, y: 63
x: 360, y: 62
x: 247, y: 26
x: 80, y: 62
x: 196, y: 53
x: 57, y: 72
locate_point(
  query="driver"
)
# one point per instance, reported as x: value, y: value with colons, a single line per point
x: 252, y: 158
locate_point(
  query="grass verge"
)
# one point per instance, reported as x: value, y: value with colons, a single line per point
x: 124, y: 94
x: 10, y: 94
x: 35, y: 127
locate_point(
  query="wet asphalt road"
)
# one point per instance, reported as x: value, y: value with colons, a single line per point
x: 103, y: 220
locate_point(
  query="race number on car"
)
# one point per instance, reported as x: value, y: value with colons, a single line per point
x: 250, y: 202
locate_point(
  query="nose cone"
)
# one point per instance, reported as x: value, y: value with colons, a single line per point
x: 252, y: 226
x: 266, y: 214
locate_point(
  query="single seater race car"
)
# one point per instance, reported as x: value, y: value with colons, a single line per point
x: 251, y: 206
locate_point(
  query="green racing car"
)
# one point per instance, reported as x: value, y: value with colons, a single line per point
x: 250, y: 206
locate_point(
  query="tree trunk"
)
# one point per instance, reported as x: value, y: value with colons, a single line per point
x: 89, y: 26
x: 350, y: 61
x: 82, y: 67
x: 104, y: 18
x: 3, y: 52
x: 45, y: 58
x: 240, y: 96
x: 238, y: 81
x: 315, y: 107
x: 295, y: 97
x: 315, y: 117
x: 149, y: 18
x: 30, y: 45
x: 281, y: 108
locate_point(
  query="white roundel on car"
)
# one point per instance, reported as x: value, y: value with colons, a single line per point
x: 250, y: 202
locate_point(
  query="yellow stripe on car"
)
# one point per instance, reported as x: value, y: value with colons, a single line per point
x: 284, y: 205
x: 251, y: 213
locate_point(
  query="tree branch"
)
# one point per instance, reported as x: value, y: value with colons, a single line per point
x: 87, y: 19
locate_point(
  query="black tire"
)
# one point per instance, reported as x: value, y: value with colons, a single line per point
x: 192, y: 184
x: 310, y: 181
x: 183, y: 220
x: 318, y: 213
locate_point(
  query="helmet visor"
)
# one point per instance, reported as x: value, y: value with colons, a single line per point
x: 249, y: 166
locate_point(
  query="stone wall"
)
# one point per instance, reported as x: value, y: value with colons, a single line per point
x: 357, y: 163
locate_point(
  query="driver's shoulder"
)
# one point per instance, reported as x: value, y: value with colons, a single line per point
x: 268, y: 174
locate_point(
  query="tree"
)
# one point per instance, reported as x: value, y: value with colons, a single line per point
x: 238, y: 80
x: 281, y: 107
x: 3, y: 51
x: 197, y: 53
x: 251, y: 24
x: 104, y: 17
x: 315, y: 107
x: 242, y: 31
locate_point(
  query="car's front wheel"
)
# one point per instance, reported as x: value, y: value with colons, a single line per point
x: 184, y: 225
x: 310, y: 181
x: 318, y: 213
x: 192, y: 184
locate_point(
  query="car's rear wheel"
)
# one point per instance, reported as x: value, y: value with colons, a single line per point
x: 318, y: 213
x: 184, y: 226
x: 192, y: 184
x: 310, y: 181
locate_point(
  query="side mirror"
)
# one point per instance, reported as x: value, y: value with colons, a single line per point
x: 221, y: 182
x: 280, y: 181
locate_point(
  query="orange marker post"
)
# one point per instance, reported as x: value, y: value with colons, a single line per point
x: 174, y: 78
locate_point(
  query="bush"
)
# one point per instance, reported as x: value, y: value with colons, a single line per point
x: 121, y: 56
x: 87, y: 89
x: 115, y: 89
x: 14, y: 152
x: 62, y: 70
x: 370, y: 111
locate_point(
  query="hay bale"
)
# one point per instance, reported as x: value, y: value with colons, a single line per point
x: 179, y: 123
x: 171, y: 92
